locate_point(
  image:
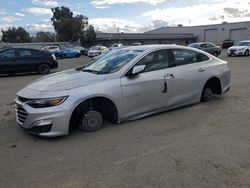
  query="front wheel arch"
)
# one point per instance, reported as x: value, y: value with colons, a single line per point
x: 103, y: 105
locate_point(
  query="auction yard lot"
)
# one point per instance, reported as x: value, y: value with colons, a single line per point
x: 203, y: 145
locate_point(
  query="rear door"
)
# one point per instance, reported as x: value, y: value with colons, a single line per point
x: 26, y: 60
x: 190, y: 74
x: 150, y: 90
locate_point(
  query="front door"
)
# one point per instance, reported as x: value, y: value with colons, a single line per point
x: 151, y: 89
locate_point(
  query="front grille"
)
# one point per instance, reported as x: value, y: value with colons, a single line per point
x: 233, y: 51
x: 21, y: 113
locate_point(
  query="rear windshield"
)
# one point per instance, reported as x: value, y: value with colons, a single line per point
x: 194, y: 45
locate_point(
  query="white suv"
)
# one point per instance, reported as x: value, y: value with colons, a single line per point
x: 51, y: 48
x: 241, y: 48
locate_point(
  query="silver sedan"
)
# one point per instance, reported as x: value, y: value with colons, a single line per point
x: 125, y: 84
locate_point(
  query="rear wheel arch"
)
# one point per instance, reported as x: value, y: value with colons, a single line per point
x: 212, y: 86
x: 44, y: 68
x: 104, y: 105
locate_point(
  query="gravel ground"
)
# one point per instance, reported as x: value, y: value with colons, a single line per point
x: 203, y: 145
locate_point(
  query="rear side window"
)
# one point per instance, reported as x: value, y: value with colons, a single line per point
x: 25, y: 53
x: 183, y: 57
x: 210, y: 45
x: 201, y: 57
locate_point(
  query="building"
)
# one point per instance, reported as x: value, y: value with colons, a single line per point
x: 108, y: 39
x: 211, y: 33
x: 182, y: 35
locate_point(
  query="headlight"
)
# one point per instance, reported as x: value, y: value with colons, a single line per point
x: 43, y: 103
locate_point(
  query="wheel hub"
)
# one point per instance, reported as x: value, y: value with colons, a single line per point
x: 91, y: 121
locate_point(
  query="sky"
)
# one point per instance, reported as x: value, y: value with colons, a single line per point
x: 128, y: 16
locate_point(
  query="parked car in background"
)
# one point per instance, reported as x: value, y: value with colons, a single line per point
x: 241, y: 48
x: 97, y: 50
x: 207, y: 47
x: 80, y: 49
x: 52, y: 49
x: 67, y: 53
x: 125, y: 84
x: 136, y: 44
x: 227, y: 43
x: 5, y: 46
x: 20, y: 60
x: 103, y: 54
x: 115, y: 45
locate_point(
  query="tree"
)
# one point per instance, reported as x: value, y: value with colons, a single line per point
x: 68, y: 27
x: 89, y: 38
x: 45, y: 37
x: 15, y: 35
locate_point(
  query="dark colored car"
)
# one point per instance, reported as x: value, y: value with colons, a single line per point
x: 207, y: 47
x: 20, y: 60
x: 227, y: 43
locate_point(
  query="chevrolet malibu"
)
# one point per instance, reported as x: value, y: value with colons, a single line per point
x: 125, y: 84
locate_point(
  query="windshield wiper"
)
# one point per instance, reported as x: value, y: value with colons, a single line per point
x: 90, y: 70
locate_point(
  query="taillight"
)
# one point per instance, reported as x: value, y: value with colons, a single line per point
x: 53, y: 57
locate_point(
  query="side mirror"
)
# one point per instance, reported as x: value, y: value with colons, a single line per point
x: 138, y: 69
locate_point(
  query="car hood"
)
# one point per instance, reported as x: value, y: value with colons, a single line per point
x: 65, y: 80
x: 236, y: 47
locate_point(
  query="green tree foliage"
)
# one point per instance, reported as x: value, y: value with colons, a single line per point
x: 89, y: 38
x: 45, y: 37
x: 71, y: 28
x: 15, y: 35
x: 68, y: 27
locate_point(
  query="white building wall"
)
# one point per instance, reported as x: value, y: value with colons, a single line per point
x: 212, y: 33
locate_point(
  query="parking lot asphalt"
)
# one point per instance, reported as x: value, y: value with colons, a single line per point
x: 203, y: 145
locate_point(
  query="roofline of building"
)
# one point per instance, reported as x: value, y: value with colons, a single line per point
x: 145, y: 36
x: 223, y: 23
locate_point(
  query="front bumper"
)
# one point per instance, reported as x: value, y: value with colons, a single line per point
x: 49, y: 122
x: 235, y: 52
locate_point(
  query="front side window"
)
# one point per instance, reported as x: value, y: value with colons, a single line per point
x: 7, y: 54
x: 111, y: 62
x: 155, y: 61
x: 183, y: 57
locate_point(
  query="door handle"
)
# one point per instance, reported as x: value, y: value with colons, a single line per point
x: 201, y: 69
x: 169, y: 76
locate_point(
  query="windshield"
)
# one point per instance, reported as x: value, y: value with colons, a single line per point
x: 243, y: 43
x: 111, y: 62
x: 96, y: 48
x: 194, y: 45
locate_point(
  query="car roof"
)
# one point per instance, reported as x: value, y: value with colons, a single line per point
x: 245, y: 41
x: 145, y: 48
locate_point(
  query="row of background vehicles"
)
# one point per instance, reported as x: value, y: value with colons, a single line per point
x: 18, y: 60
x: 240, y: 48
